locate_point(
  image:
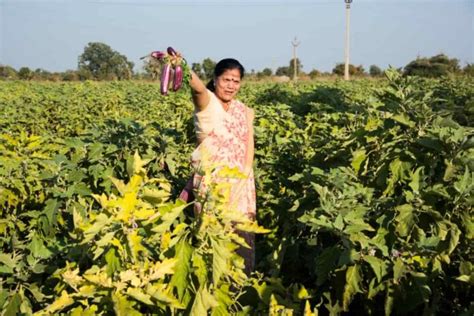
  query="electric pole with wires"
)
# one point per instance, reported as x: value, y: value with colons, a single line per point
x: 295, y: 44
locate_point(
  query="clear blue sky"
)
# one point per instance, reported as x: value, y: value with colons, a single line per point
x: 51, y: 34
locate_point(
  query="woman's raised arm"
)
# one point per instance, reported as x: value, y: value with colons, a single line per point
x: 199, y: 91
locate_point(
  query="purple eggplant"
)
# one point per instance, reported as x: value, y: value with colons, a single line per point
x: 158, y: 55
x: 165, y: 78
x: 171, y: 51
x: 178, y: 77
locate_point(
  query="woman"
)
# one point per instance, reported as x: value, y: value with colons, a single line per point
x: 224, y: 130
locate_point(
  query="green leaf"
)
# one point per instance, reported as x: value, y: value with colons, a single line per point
x: 170, y: 160
x: 113, y: 263
x: 417, y: 292
x: 95, y: 151
x: 139, y: 295
x: 168, y: 218
x: 103, y: 243
x: 379, y: 241
x: 399, y: 269
x: 35, y: 291
x: 138, y: 165
x: 38, y: 249
x: 224, y: 300
x: 463, y: 183
x: 200, y: 267
x: 251, y: 227
x: 373, y: 123
x: 403, y: 119
x: 60, y: 303
x: 8, y: 260
x: 450, y: 171
x: 405, y: 219
x: 415, y: 180
x: 222, y: 252
x: 161, y: 268
x: 468, y: 224
x: 348, y: 257
x: 325, y: 262
x: 338, y: 223
x: 203, y: 301
x: 353, y: 280
x: 101, y: 221
x: 375, y: 288
x: 454, y: 234
x: 135, y: 243
x: 466, y: 268
x: 155, y: 196
x: 122, y: 306
x: 180, y: 279
x: 81, y: 189
x: 25, y: 306
x: 13, y: 307
x: 353, y: 228
x: 378, y: 266
x: 89, y: 311
x: 50, y: 210
x: 465, y: 278
x: 395, y: 168
x: 161, y: 294
x: 389, y: 299
x: 431, y: 143
x: 358, y: 158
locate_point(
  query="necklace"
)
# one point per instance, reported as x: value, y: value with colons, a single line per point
x: 226, y: 106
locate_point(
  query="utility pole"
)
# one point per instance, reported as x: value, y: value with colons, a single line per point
x: 295, y: 44
x: 346, y: 53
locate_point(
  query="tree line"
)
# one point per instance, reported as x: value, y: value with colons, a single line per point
x: 100, y: 62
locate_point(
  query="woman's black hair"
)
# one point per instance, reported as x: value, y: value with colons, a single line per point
x: 222, y: 66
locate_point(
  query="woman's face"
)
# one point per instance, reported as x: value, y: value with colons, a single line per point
x: 227, y: 85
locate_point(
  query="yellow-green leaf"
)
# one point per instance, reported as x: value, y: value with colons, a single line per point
x: 63, y: 301
x: 123, y: 307
x: 160, y: 269
x: 405, y: 219
x: 358, y: 158
x: 139, y: 295
x: 180, y: 279
x: 378, y: 266
x: 203, y: 301
x: 352, y: 286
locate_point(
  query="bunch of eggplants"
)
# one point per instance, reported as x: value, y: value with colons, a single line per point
x: 172, y: 69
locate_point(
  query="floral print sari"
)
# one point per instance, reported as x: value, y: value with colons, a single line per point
x: 227, y: 146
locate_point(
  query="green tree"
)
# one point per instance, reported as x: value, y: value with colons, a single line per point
x: 266, y: 72
x: 435, y: 66
x: 314, y: 73
x: 7, y: 72
x: 375, y: 71
x: 208, y: 66
x: 84, y: 74
x: 69, y: 75
x: 468, y: 70
x: 102, y: 62
x: 25, y: 73
x: 197, y: 68
x: 353, y: 70
x: 41, y: 74
x: 291, y: 67
x: 282, y: 71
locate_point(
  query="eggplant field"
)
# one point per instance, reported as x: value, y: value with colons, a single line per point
x: 365, y: 194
